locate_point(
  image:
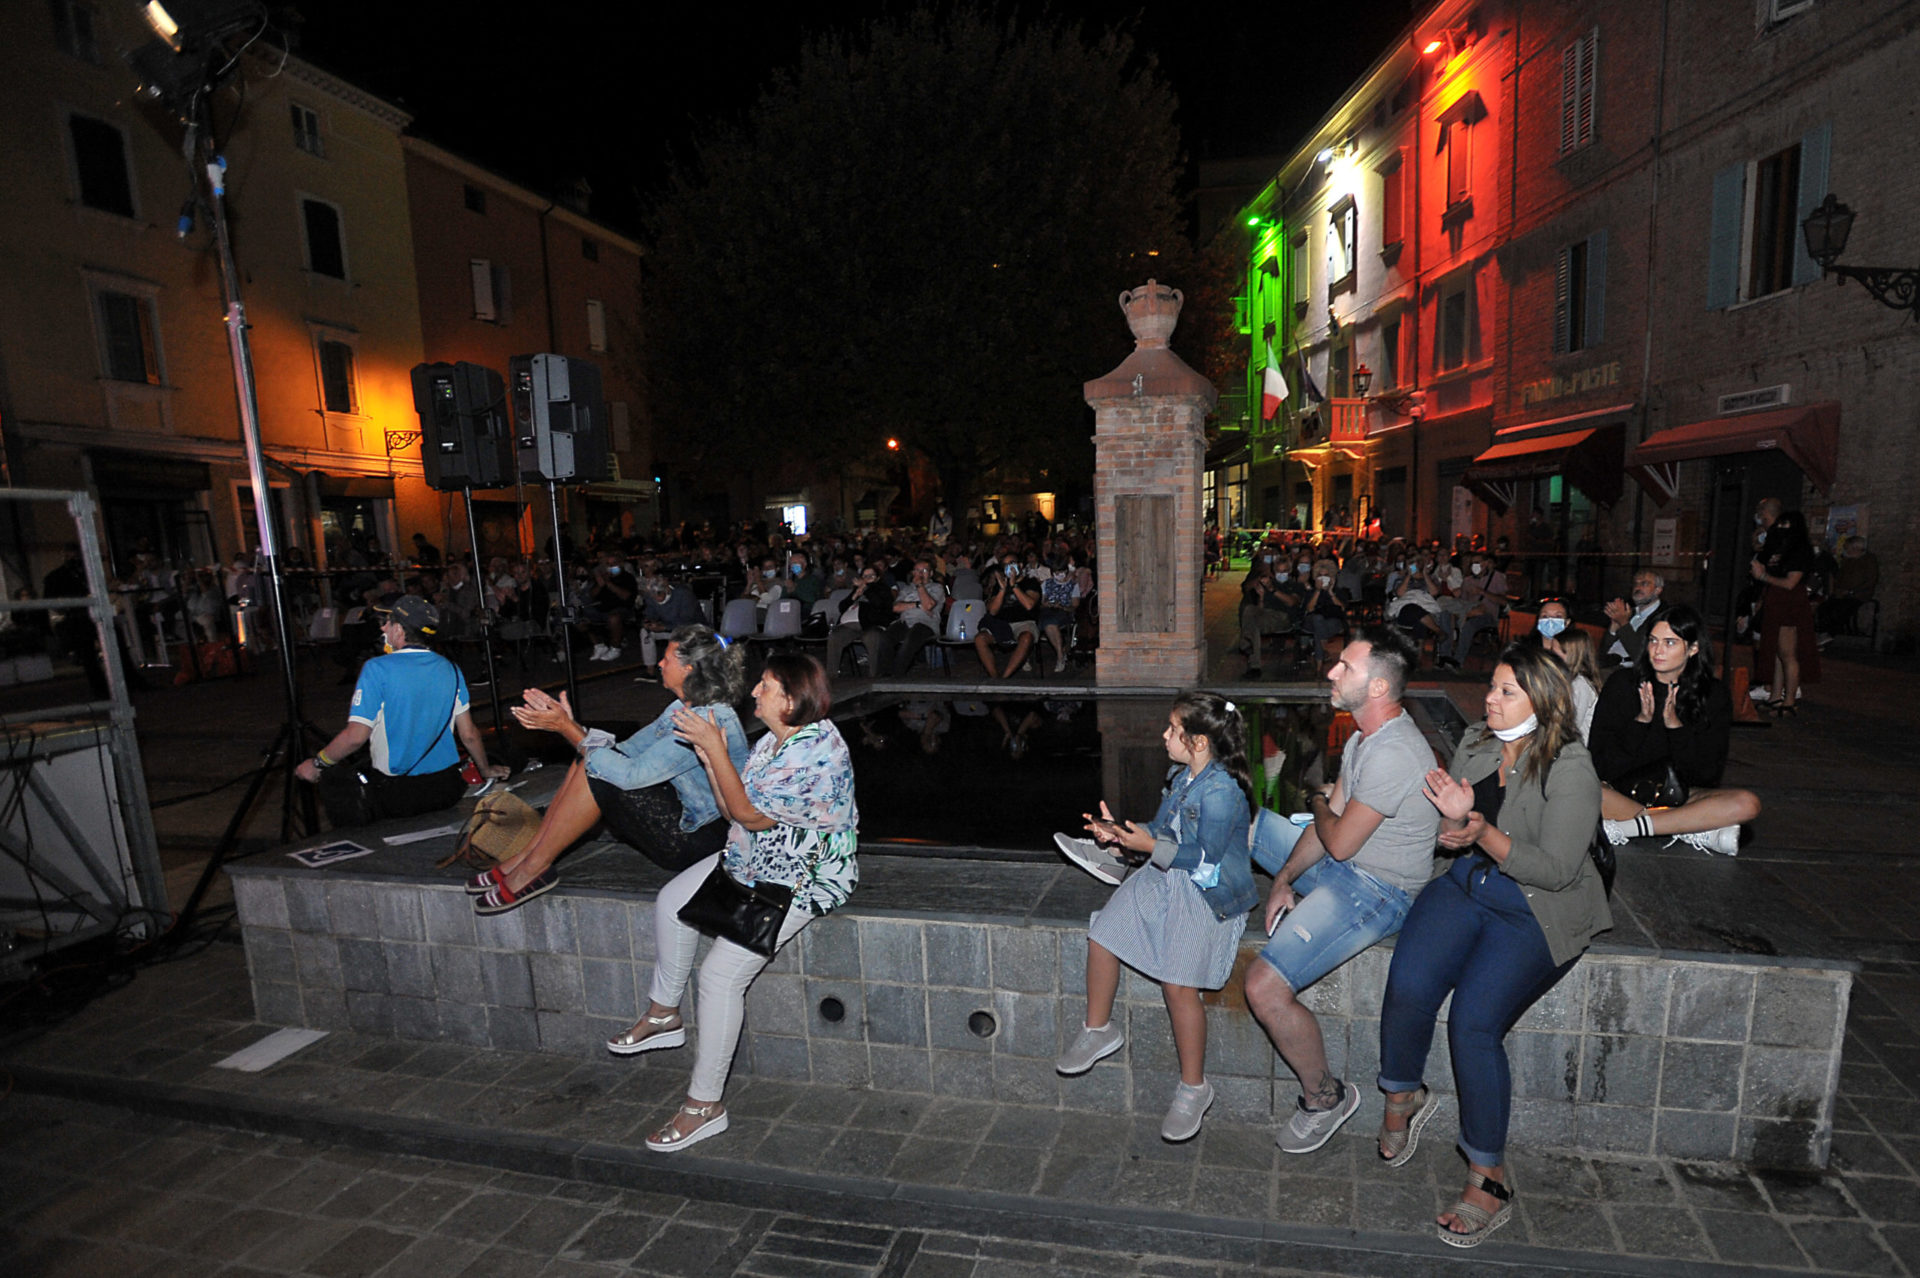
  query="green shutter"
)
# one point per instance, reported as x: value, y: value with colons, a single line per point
x: 1596, y: 288
x: 1723, y: 242
x: 1814, y: 149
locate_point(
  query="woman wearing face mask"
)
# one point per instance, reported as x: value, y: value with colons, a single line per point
x: 1326, y: 605
x: 1575, y: 648
x: 1497, y: 930
x: 1266, y: 608
x: 1668, y: 714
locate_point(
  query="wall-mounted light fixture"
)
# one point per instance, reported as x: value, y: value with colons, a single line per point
x: 1826, y: 230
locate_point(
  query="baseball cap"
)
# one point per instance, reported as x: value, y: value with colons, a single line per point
x: 413, y: 613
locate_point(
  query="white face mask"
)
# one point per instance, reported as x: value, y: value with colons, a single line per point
x: 1519, y: 729
x: 1550, y: 626
x: 1304, y: 568
x: 1279, y: 576
x: 1324, y: 582
x: 767, y: 573
x: 1478, y: 569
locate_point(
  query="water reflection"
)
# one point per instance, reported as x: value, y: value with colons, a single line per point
x: 1006, y: 772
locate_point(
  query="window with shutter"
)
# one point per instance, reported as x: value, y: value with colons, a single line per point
x: 1392, y: 181
x: 306, y: 130
x: 596, y: 325
x: 481, y: 271
x: 336, y: 377
x: 1579, y: 85
x: 128, y: 352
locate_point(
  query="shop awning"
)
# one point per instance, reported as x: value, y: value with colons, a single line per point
x: 1590, y: 460
x: 1809, y: 435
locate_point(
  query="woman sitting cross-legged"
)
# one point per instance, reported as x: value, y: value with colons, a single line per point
x: 793, y: 820
x: 1497, y: 930
x: 650, y: 789
x: 1668, y: 713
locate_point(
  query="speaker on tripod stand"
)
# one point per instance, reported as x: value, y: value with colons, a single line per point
x: 463, y: 420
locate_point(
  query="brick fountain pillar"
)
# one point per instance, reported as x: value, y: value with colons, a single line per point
x: 1150, y: 444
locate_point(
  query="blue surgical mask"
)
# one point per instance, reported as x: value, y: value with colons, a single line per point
x: 1550, y: 626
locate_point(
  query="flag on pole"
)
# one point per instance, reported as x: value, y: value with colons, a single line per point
x: 1273, y: 387
x: 1307, y: 387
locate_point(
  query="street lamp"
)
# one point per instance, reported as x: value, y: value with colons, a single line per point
x: 1362, y: 380
x: 1826, y: 230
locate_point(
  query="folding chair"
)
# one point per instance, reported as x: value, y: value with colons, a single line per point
x: 963, y: 623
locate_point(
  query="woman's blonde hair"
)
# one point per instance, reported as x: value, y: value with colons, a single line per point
x: 1580, y: 653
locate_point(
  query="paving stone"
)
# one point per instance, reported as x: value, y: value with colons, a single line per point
x: 862, y: 1153
x: 364, y: 1251
x: 1575, y: 1224
x: 614, y: 1237
x: 1843, y: 1245
x: 891, y: 952
x: 1796, y: 1011
x: 830, y: 949
x: 956, y: 955
x: 1024, y: 959
x: 1006, y: 1169
x: 1702, y: 1076
x: 1707, y: 1003
x: 398, y: 915
x: 897, y: 1014
x: 1804, y: 1194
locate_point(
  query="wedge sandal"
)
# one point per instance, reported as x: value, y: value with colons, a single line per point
x: 1396, y: 1148
x: 651, y: 1034
x: 669, y: 1138
x: 1483, y: 1222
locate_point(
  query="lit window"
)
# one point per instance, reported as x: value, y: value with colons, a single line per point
x: 326, y: 246
x: 100, y: 163
x: 1341, y: 226
x: 128, y: 352
x: 596, y: 325
x: 336, y: 376
x: 306, y: 130
x: 1579, y: 64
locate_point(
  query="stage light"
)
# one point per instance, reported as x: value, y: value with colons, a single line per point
x: 163, y: 24
x: 1434, y: 46
x: 1326, y: 153
x: 893, y: 445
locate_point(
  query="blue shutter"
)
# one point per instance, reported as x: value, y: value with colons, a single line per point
x: 1596, y: 287
x: 1723, y: 243
x: 1814, y: 149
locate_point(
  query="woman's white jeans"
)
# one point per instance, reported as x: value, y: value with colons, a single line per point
x: 724, y: 978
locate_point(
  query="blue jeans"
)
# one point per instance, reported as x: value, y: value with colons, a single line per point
x: 1473, y: 934
x: 1341, y: 911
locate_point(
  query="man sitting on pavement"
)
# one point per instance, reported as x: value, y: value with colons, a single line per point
x: 1348, y: 878
x: 408, y: 707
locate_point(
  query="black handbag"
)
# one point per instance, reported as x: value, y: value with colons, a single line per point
x: 1653, y: 785
x: 728, y: 910
x: 1604, y: 860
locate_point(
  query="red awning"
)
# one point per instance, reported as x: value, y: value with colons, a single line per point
x: 1808, y: 434
x: 1590, y: 459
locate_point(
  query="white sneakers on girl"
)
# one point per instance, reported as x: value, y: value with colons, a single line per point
x: 1190, y: 1105
x: 1092, y: 1045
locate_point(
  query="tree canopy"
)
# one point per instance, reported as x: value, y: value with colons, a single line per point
x: 919, y: 232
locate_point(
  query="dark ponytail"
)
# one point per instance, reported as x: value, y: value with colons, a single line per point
x: 1210, y: 715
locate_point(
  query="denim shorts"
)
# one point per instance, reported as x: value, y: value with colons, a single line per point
x: 1341, y: 911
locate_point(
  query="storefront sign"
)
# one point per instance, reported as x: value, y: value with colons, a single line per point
x: 1562, y: 385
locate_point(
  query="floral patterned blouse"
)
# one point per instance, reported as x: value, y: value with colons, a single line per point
x: 806, y: 786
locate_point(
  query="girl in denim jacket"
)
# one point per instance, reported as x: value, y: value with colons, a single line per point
x: 1180, y: 921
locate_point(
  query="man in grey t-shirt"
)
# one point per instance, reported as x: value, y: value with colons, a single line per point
x: 916, y: 621
x: 1347, y: 879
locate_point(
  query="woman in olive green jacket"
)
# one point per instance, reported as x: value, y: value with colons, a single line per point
x: 1520, y: 803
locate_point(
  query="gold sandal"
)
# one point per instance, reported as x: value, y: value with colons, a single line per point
x: 1398, y: 1147
x: 650, y: 1034
x: 1483, y: 1222
x: 670, y: 1138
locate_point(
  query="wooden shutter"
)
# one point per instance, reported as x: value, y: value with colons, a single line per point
x: 1562, y: 291
x: 1723, y: 240
x: 1596, y: 289
x: 1815, y: 149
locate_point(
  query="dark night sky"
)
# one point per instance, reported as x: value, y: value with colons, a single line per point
x: 570, y: 87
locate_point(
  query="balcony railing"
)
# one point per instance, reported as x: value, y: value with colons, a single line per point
x: 1348, y: 424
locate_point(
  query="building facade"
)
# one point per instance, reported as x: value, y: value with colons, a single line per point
x: 502, y: 272
x: 1564, y: 240
x: 114, y: 367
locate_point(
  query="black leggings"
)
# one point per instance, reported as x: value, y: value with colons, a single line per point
x: 649, y: 819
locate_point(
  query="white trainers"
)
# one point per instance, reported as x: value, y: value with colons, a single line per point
x: 1190, y: 1105
x: 1092, y: 858
x: 599, y: 652
x: 1309, y: 1129
x: 1724, y: 841
x: 1092, y: 1046
x: 1618, y: 832
x: 1759, y: 694
x: 613, y: 654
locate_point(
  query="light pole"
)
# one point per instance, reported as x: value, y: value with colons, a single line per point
x: 1826, y: 230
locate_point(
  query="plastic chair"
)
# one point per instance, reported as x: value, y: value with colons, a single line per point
x: 784, y: 619
x: 963, y: 623
x: 740, y: 620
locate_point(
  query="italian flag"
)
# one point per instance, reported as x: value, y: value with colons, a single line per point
x: 1273, y: 387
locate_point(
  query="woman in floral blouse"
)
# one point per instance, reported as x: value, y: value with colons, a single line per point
x: 793, y: 820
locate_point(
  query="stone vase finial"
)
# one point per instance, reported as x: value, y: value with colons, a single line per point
x: 1152, y: 310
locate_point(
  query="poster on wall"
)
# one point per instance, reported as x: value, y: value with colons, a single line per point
x: 1665, y: 538
x: 1462, y: 512
x: 1846, y: 521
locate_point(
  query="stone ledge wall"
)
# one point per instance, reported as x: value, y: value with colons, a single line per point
x: 1690, y: 1057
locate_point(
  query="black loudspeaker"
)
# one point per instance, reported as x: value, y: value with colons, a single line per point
x: 465, y: 441
x: 560, y: 419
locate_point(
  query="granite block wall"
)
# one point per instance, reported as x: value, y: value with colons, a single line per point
x: 1688, y: 1056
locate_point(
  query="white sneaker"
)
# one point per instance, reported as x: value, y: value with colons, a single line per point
x: 1092, y: 858
x: 1618, y: 832
x: 1190, y: 1105
x: 613, y: 654
x: 1091, y: 1046
x: 1059, y: 665
x: 1759, y: 694
x: 1724, y: 841
x: 599, y: 652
